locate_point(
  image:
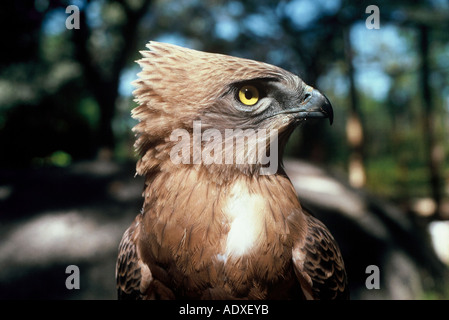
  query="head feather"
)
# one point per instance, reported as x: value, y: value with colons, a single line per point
x: 177, y: 85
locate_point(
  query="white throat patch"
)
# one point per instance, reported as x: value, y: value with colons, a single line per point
x: 246, y: 213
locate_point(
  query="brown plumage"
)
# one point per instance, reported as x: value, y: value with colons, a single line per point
x: 222, y: 228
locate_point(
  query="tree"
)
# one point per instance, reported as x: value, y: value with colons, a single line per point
x: 354, y: 127
x: 103, y: 79
x: 433, y: 148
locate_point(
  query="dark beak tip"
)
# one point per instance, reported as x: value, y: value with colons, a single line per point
x: 328, y: 110
x: 316, y: 105
x: 331, y: 115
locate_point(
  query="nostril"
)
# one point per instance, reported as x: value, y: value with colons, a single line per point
x: 307, y: 96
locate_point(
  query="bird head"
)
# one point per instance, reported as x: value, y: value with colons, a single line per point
x: 182, y: 92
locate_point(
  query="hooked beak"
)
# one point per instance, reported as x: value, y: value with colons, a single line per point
x: 315, y: 105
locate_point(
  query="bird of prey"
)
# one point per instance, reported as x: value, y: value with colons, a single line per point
x: 220, y: 218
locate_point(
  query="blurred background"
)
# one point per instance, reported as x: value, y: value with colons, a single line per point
x: 67, y: 164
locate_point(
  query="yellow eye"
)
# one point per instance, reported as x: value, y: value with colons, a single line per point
x: 249, y: 95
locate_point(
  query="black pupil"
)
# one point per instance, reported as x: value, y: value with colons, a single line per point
x: 248, y: 94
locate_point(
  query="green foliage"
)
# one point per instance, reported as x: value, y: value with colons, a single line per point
x: 89, y: 110
x: 59, y: 89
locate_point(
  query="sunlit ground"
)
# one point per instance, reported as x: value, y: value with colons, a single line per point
x: 76, y: 216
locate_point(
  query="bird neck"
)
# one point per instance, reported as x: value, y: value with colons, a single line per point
x: 193, y: 223
x: 193, y: 194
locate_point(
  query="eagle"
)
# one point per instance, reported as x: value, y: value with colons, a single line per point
x: 220, y: 217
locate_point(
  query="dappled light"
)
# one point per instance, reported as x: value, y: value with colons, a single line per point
x: 56, y: 237
x: 378, y: 177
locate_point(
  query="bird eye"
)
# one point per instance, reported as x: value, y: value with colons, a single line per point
x: 248, y: 95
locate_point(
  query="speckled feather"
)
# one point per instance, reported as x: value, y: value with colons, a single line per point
x: 217, y: 231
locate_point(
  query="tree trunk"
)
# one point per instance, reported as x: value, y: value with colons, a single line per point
x: 104, y: 86
x: 433, y: 150
x: 354, y: 128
